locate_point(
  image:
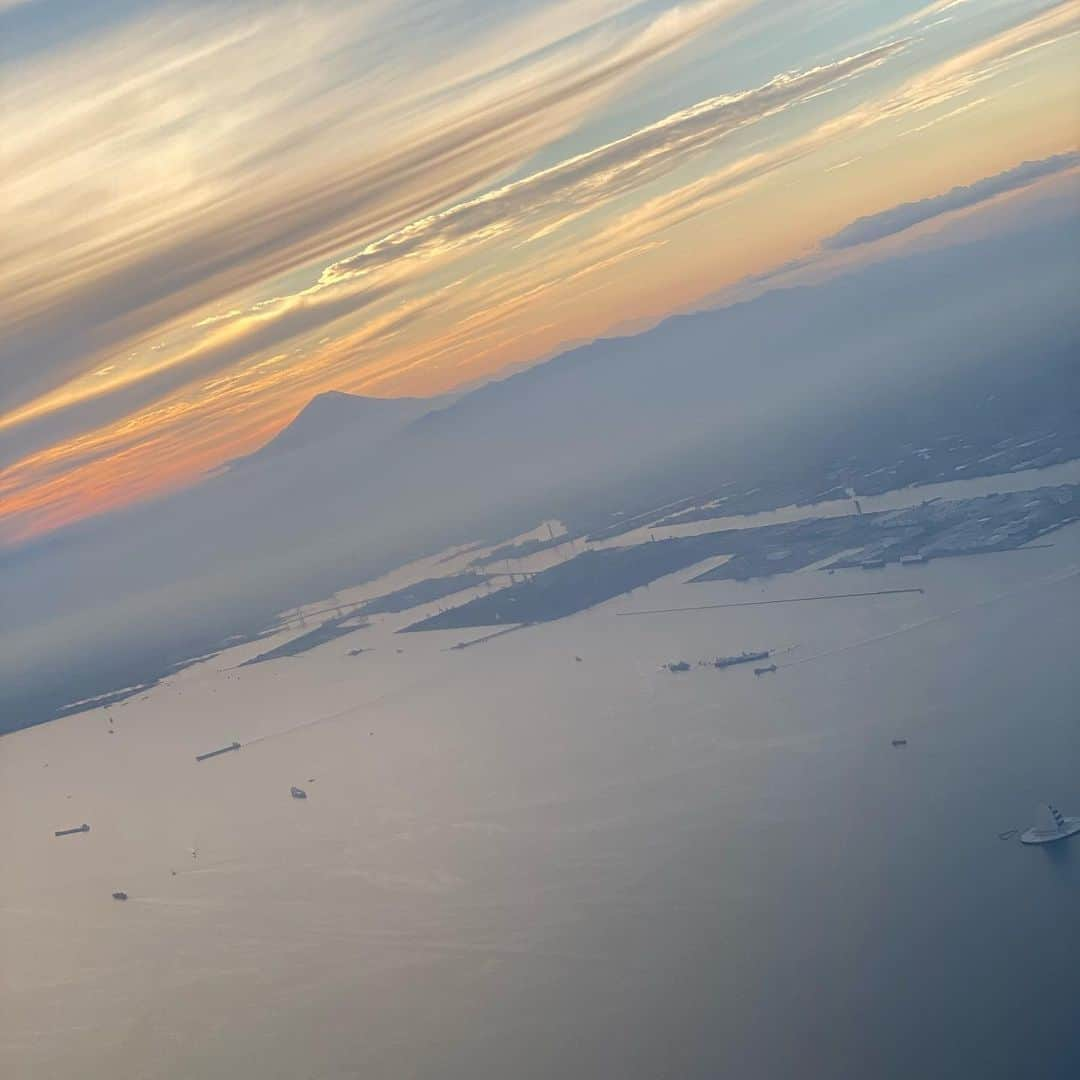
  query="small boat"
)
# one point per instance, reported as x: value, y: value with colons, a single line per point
x: 678, y: 665
x: 1057, y: 828
x: 298, y: 793
x: 764, y: 670
x: 899, y: 742
x: 119, y: 895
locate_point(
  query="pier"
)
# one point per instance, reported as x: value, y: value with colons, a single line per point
x: 762, y: 603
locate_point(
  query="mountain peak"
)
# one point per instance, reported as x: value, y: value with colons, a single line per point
x: 333, y: 411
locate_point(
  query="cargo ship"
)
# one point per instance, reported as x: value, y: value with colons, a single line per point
x: 69, y: 832
x: 215, y: 753
x: 742, y: 658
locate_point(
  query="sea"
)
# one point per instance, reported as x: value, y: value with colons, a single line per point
x: 546, y: 855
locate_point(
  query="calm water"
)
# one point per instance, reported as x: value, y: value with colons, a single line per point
x: 515, y: 864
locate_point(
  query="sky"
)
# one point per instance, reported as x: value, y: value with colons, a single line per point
x: 211, y: 213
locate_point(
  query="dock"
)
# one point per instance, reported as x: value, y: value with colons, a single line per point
x: 763, y: 603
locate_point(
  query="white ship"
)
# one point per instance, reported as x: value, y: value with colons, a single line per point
x: 1057, y: 828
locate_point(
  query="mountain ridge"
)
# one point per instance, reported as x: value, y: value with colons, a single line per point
x: 333, y: 411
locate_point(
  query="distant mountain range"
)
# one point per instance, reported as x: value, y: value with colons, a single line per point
x: 740, y: 393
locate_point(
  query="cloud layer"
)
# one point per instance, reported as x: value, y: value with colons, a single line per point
x: 181, y: 160
x: 536, y: 204
x: 865, y: 230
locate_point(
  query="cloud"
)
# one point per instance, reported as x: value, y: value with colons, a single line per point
x: 103, y: 467
x: 585, y: 182
x: 228, y: 346
x: 177, y: 161
x: 935, y: 86
x: 962, y: 73
x: 605, y: 172
x: 896, y: 219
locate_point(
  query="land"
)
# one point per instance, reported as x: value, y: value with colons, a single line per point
x: 355, y: 618
x: 422, y: 592
x: 936, y: 529
x: 519, y: 550
x: 1019, y: 418
x: 323, y: 633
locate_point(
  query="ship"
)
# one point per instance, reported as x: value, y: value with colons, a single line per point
x: 1058, y: 828
x: 768, y: 669
x: 298, y: 793
x: 69, y: 832
x: 742, y: 658
x: 220, y: 750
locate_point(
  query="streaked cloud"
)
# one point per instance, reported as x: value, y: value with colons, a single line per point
x: 936, y: 86
x: 607, y: 171
x: 183, y: 159
x: 865, y: 230
x: 577, y: 185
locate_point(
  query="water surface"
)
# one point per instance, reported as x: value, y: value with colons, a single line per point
x: 516, y: 864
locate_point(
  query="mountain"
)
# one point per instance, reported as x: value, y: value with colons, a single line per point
x: 763, y: 381
x: 369, y: 420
